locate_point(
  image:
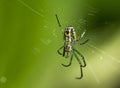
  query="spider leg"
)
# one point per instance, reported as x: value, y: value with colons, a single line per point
x: 69, y: 62
x: 58, y: 20
x: 59, y: 50
x: 79, y: 59
x: 81, y: 75
x: 64, y: 52
x: 59, y: 24
x: 84, y: 42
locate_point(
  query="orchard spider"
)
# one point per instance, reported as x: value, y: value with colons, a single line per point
x: 70, y: 40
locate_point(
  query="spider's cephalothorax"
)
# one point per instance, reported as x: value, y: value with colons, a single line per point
x: 68, y: 47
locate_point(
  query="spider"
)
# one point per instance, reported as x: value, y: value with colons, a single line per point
x: 70, y: 40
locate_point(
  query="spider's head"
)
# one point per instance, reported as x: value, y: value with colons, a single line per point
x: 69, y: 28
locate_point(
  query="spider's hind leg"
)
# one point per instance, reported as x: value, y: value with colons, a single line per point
x: 59, y: 50
x: 81, y: 71
x: 69, y: 62
x: 84, y: 62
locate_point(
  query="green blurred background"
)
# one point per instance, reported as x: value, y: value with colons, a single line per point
x: 30, y: 37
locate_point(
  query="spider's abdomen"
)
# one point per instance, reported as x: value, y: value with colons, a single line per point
x: 68, y: 47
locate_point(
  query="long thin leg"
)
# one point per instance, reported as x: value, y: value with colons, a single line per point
x: 59, y: 23
x: 69, y: 62
x: 82, y: 58
x: 84, y: 42
x: 81, y: 75
x: 64, y: 52
x: 59, y: 50
x: 58, y: 20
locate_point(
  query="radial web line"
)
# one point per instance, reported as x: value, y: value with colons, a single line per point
x: 29, y: 7
x: 105, y: 53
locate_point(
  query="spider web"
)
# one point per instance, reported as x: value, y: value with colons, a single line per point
x: 81, y: 31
